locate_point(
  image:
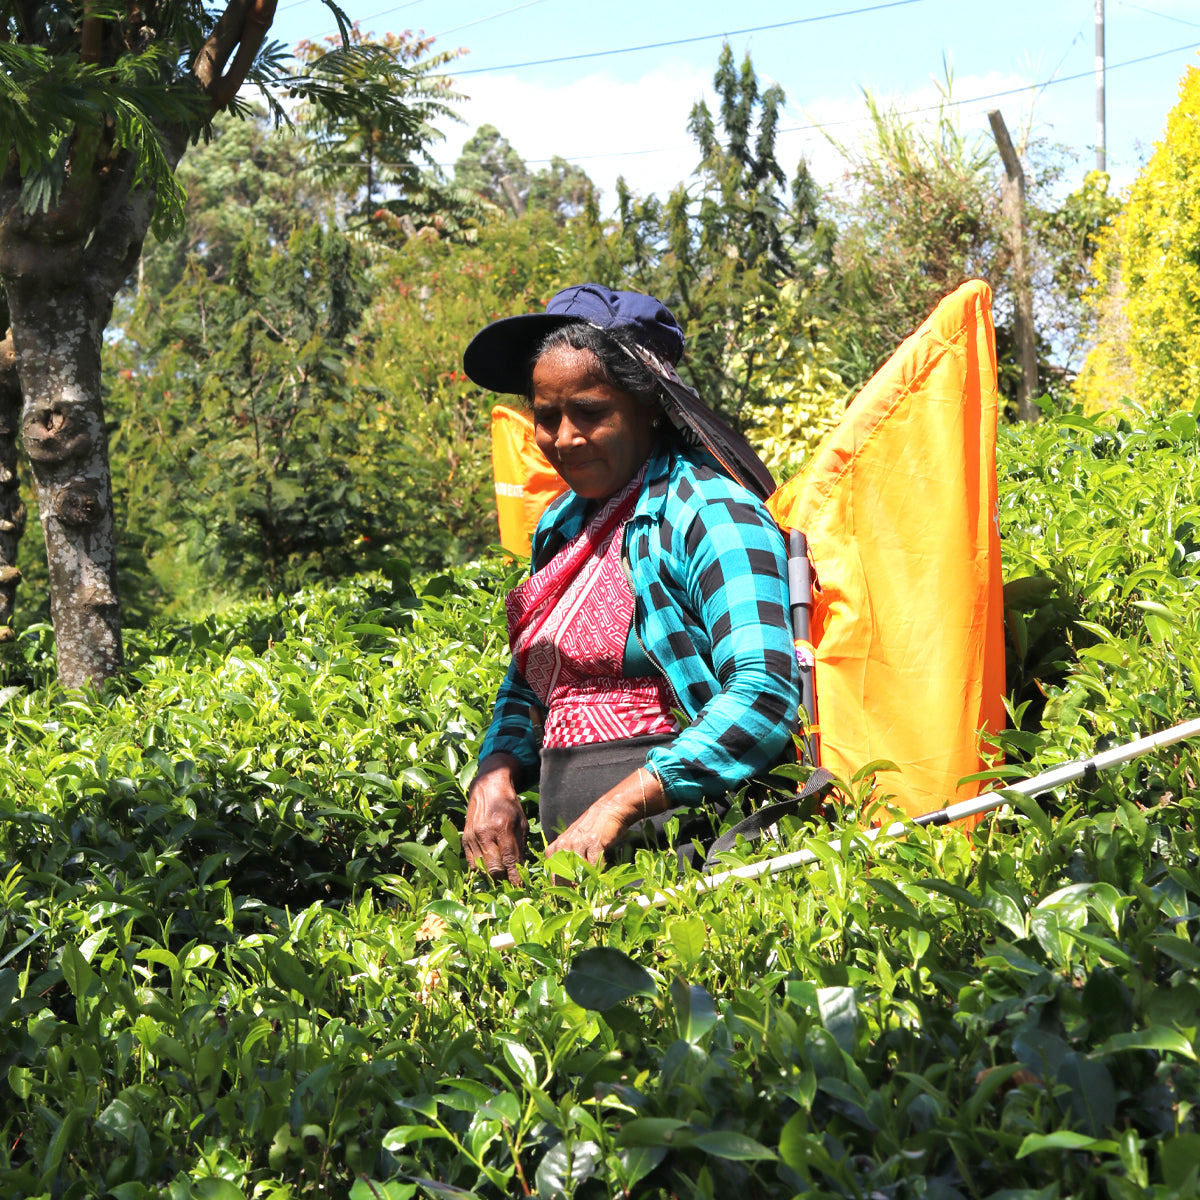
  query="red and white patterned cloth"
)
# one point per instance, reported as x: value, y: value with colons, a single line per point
x: 568, y: 625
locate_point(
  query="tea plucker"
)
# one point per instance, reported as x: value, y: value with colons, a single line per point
x: 658, y: 584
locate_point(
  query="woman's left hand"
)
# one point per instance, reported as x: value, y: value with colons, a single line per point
x: 603, y: 824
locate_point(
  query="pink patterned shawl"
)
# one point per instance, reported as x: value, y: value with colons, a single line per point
x: 568, y: 625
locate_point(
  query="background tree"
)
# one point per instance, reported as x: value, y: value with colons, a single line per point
x: 921, y: 212
x: 1066, y: 237
x: 493, y: 170
x: 285, y: 401
x: 248, y: 417
x: 246, y: 174
x: 1147, y: 274
x: 563, y: 189
x: 920, y: 216
x: 386, y: 177
x: 95, y: 115
x: 750, y: 236
x: 300, y: 414
x: 721, y: 249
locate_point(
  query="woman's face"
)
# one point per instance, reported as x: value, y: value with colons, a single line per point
x: 596, y: 436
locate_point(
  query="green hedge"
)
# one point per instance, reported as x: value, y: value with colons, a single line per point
x: 213, y: 877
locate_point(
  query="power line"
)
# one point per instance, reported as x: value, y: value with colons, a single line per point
x: 1058, y: 65
x: 1045, y: 83
x: 908, y: 112
x: 490, y: 17
x: 1154, y: 13
x: 705, y: 37
x: 363, y: 20
x: 400, y: 7
x: 386, y: 11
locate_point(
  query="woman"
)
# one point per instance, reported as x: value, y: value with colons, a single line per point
x: 658, y: 585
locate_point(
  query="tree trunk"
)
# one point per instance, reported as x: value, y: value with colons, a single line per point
x: 509, y: 187
x: 1012, y: 202
x: 58, y: 348
x: 12, y: 511
x: 61, y: 270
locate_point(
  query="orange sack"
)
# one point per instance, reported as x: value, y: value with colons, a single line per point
x: 525, y: 481
x: 900, y: 510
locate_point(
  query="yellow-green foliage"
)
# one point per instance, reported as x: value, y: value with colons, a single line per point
x: 804, y: 397
x: 786, y: 434
x: 1149, y: 265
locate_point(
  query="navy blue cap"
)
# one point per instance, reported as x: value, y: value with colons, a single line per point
x: 498, y: 355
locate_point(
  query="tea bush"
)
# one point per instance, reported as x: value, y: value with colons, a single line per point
x: 240, y: 955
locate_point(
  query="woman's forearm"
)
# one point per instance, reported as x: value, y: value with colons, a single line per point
x: 636, y: 797
x: 606, y: 820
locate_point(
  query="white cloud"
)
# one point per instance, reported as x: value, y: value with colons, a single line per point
x: 639, y: 128
x: 609, y: 127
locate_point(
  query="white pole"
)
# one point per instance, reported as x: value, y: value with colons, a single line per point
x: 996, y: 798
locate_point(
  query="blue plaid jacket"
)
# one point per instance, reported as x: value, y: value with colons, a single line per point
x: 709, y: 575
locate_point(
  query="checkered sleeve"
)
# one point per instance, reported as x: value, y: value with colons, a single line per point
x: 734, y: 571
x: 511, y: 730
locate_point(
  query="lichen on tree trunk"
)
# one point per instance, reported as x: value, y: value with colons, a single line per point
x: 62, y: 425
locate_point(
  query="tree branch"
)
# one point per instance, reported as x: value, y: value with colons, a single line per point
x: 215, y: 52
x: 91, y: 36
x: 254, y: 33
x: 221, y: 84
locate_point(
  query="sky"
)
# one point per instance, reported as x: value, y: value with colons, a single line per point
x: 626, y: 113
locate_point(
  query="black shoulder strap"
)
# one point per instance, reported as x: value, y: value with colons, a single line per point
x: 762, y: 818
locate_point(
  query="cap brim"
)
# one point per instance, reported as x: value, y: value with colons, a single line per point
x: 497, y: 357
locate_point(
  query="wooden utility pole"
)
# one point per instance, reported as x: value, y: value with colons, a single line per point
x: 1101, y: 132
x: 1012, y: 202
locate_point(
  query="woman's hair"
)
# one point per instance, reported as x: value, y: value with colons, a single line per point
x: 617, y: 368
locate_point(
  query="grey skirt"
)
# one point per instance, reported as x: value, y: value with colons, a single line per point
x: 575, y: 777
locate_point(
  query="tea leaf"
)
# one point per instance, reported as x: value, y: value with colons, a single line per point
x: 723, y: 1143
x: 1064, y: 1139
x: 695, y: 1013
x: 601, y: 978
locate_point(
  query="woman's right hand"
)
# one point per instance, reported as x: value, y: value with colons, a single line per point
x: 496, y: 828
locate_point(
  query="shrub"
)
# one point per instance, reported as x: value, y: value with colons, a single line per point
x: 1148, y: 272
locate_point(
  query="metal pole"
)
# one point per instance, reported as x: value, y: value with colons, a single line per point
x: 1101, y: 137
x: 1055, y: 777
x: 801, y: 600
